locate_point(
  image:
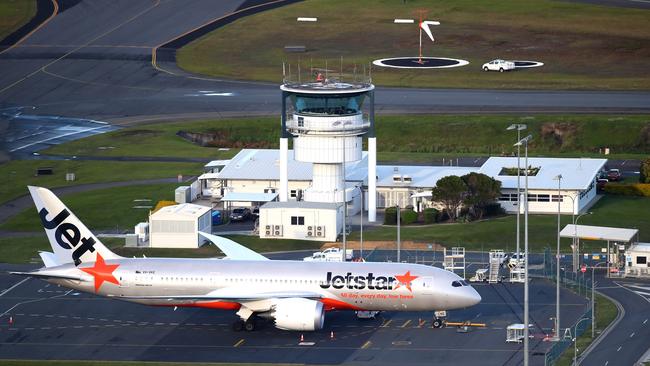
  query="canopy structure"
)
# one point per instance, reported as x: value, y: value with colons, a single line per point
x: 249, y: 197
x: 587, y: 232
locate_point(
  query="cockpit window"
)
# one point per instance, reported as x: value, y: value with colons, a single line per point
x: 456, y: 284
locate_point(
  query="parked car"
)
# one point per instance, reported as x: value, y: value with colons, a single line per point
x: 498, y: 65
x: 240, y: 214
x: 614, y: 175
x: 600, y: 184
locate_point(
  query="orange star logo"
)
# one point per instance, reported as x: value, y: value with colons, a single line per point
x: 405, y: 280
x: 102, y: 272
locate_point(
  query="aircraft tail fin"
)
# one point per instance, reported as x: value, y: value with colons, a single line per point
x: 70, y: 239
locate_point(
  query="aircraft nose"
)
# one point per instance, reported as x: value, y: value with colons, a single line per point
x: 471, y: 297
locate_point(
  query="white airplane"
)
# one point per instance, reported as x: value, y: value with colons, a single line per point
x: 294, y: 294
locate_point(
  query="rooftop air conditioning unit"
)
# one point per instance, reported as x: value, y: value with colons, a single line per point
x: 268, y: 233
x: 309, y: 233
x: 268, y: 227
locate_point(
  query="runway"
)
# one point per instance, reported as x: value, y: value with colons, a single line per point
x: 48, y: 322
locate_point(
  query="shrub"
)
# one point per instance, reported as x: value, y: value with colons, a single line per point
x: 628, y: 189
x: 644, y: 174
x: 390, y: 216
x: 494, y: 209
x: 408, y: 217
x: 430, y: 215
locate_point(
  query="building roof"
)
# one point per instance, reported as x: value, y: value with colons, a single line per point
x: 208, y: 176
x: 216, y: 163
x: 420, y: 176
x: 577, y: 173
x: 184, y: 211
x: 301, y: 204
x: 264, y: 164
x: 598, y: 233
x: 639, y: 247
x: 249, y: 197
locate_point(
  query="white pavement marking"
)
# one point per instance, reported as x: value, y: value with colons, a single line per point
x: 606, y: 363
x: 645, y: 321
x: 619, y: 348
x: 14, y: 286
x: 632, y: 335
x: 59, y: 136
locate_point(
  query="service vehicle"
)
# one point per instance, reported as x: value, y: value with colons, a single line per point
x: 498, y: 65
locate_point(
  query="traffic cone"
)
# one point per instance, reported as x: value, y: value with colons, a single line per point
x: 332, y: 335
x: 11, y: 320
x: 302, y: 338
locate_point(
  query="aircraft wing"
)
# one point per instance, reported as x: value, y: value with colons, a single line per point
x: 233, y: 250
x: 236, y: 296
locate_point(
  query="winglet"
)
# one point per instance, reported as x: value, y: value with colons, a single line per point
x: 233, y: 250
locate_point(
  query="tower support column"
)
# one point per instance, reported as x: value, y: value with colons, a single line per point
x: 372, y: 179
x: 284, y: 178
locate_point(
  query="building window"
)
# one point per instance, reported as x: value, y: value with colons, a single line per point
x: 301, y: 122
x: 543, y: 198
x: 297, y: 220
x: 293, y: 193
x: 641, y: 260
x: 556, y: 198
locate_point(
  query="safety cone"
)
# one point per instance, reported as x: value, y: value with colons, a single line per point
x: 11, y: 320
x: 302, y: 338
x: 332, y: 335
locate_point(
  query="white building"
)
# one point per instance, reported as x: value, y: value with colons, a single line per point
x: 637, y: 260
x: 577, y: 186
x: 178, y: 226
x: 301, y: 220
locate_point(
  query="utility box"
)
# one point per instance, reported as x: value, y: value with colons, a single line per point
x: 183, y: 194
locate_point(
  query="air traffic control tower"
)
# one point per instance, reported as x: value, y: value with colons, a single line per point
x: 327, y: 120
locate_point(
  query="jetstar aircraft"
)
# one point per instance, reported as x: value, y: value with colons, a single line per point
x: 294, y: 294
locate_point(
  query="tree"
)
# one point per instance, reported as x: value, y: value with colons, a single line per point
x: 644, y: 176
x: 481, y: 191
x: 450, y: 192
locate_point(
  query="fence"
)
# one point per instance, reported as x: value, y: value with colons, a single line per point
x: 579, y: 283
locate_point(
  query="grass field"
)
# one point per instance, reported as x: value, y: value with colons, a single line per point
x: 17, y: 174
x: 583, y: 46
x: 14, y: 14
x: 402, y: 138
x: 499, y: 233
x: 123, y: 363
x: 104, y: 209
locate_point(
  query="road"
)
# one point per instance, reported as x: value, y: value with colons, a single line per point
x: 628, y: 341
x: 93, y: 61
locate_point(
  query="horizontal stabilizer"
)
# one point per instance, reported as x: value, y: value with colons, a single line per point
x: 233, y: 250
x: 49, y: 259
x: 53, y: 274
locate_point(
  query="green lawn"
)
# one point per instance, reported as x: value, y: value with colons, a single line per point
x: 17, y: 174
x: 14, y: 14
x: 111, y: 208
x: 401, y: 138
x: 123, y: 363
x: 583, y: 46
x: 499, y: 233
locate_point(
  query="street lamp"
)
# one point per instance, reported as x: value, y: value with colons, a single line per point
x: 557, y: 261
x: 519, y: 128
x: 575, y: 341
x: 576, y: 259
x: 525, y: 141
x: 593, y: 310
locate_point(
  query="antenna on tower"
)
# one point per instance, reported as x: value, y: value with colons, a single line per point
x: 341, y: 72
x: 284, y: 74
x: 326, y: 70
x: 298, y: 70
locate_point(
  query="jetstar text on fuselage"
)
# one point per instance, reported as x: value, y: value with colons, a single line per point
x: 358, y: 282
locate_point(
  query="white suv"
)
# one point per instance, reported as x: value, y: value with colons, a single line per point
x: 498, y: 65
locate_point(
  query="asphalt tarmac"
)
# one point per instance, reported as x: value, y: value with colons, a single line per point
x: 48, y: 322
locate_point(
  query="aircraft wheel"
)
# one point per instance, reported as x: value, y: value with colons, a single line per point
x: 238, y: 326
x: 437, y: 323
x: 250, y: 325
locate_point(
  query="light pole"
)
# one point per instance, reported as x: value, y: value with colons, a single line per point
x: 399, y: 244
x: 361, y: 222
x: 576, y: 258
x: 525, y: 142
x: 519, y: 128
x: 593, y: 310
x: 557, y: 261
x: 575, y: 341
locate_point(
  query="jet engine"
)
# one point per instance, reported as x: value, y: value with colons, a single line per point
x: 298, y: 314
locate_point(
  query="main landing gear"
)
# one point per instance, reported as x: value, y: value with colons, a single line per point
x: 249, y: 325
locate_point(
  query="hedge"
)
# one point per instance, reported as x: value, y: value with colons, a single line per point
x: 408, y: 217
x: 430, y: 215
x: 390, y: 216
x: 644, y: 174
x: 638, y: 189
